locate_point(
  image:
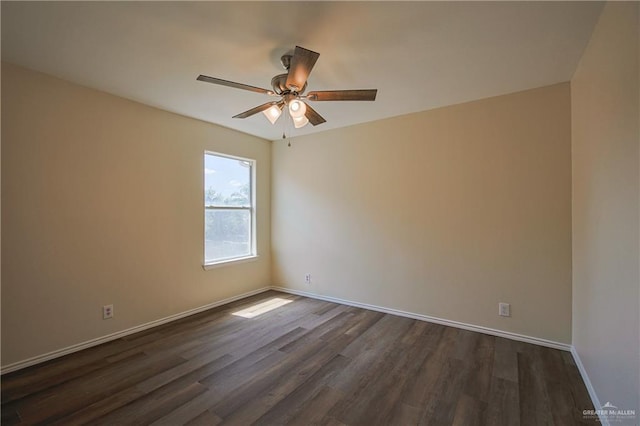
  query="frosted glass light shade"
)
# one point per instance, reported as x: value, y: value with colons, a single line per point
x: 272, y: 113
x: 300, y: 121
x: 297, y: 108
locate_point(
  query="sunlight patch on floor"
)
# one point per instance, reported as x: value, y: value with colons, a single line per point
x: 262, y: 307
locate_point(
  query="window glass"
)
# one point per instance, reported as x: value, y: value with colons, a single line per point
x: 228, y: 208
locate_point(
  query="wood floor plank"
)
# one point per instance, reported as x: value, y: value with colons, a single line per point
x: 295, y: 376
x: 464, y: 345
x: 330, y: 421
x: 256, y: 332
x: 249, y: 402
x: 245, y: 368
x: 9, y: 417
x: 206, y: 418
x: 324, y: 308
x: 306, y: 362
x: 184, y: 373
x: 415, y: 333
x: 478, y: 382
x: 71, y: 396
x: 101, y: 408
x: 417, y: 390
x: 367, y: 353
x: 339, y: 323
x: 557, y: 385
x: 375, y: 402
x: 377, y: 332
x: 301, y: 399
x: 55, y: 372
x: 470, y: 411
x: 314, y: 412
x: 152, y: 406
x: 579, y: 392
x: 443, y: 397
x: 505, y: 360
x: 532, y: 391
x: 503, y: 408
x: 311, y: 322
x: 405, y: 414
x: 192, y: 369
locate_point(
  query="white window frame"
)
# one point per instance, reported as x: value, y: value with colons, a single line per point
x: 252, y: 211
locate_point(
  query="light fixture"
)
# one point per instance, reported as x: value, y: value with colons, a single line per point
x: 273, y: 113
x: 297, y: 108
x: 300, y: 121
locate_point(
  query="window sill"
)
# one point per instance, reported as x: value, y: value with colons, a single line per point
x: 235, y: 260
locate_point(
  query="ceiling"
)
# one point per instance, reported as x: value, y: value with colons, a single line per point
x: 419, y: 55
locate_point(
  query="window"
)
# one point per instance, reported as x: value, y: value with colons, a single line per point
x: 229, y: 213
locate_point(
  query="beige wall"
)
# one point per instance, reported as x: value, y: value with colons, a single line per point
x: 102, y: 203
x: 604, y: 95
x: 443, y: 213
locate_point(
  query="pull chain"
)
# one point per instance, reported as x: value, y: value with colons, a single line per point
x: 284, y: 128
x: 285, y: 125
x: 284, y: 137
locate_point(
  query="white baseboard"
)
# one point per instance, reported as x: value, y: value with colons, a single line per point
x: 508, y: 335
x: 427, y: 318
x: 113, y: 336
x: 100, y: 340
x: 587, y: 383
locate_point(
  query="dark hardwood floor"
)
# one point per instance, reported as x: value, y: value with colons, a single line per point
x: 307, y: 362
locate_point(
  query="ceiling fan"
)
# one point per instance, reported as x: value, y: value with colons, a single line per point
x: 290, y: 87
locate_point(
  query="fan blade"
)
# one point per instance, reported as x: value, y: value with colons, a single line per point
x: 343, y: 95
x: 221, y: 82
x: 255, y: 110
x: 313, y: 116
x: 302, y: 63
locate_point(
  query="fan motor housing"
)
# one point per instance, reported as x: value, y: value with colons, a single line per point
x: 279, y: 85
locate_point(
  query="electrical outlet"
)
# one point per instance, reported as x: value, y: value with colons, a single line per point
x: 107, y: 311
x: 504, y: 309
x: 307, y: 278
